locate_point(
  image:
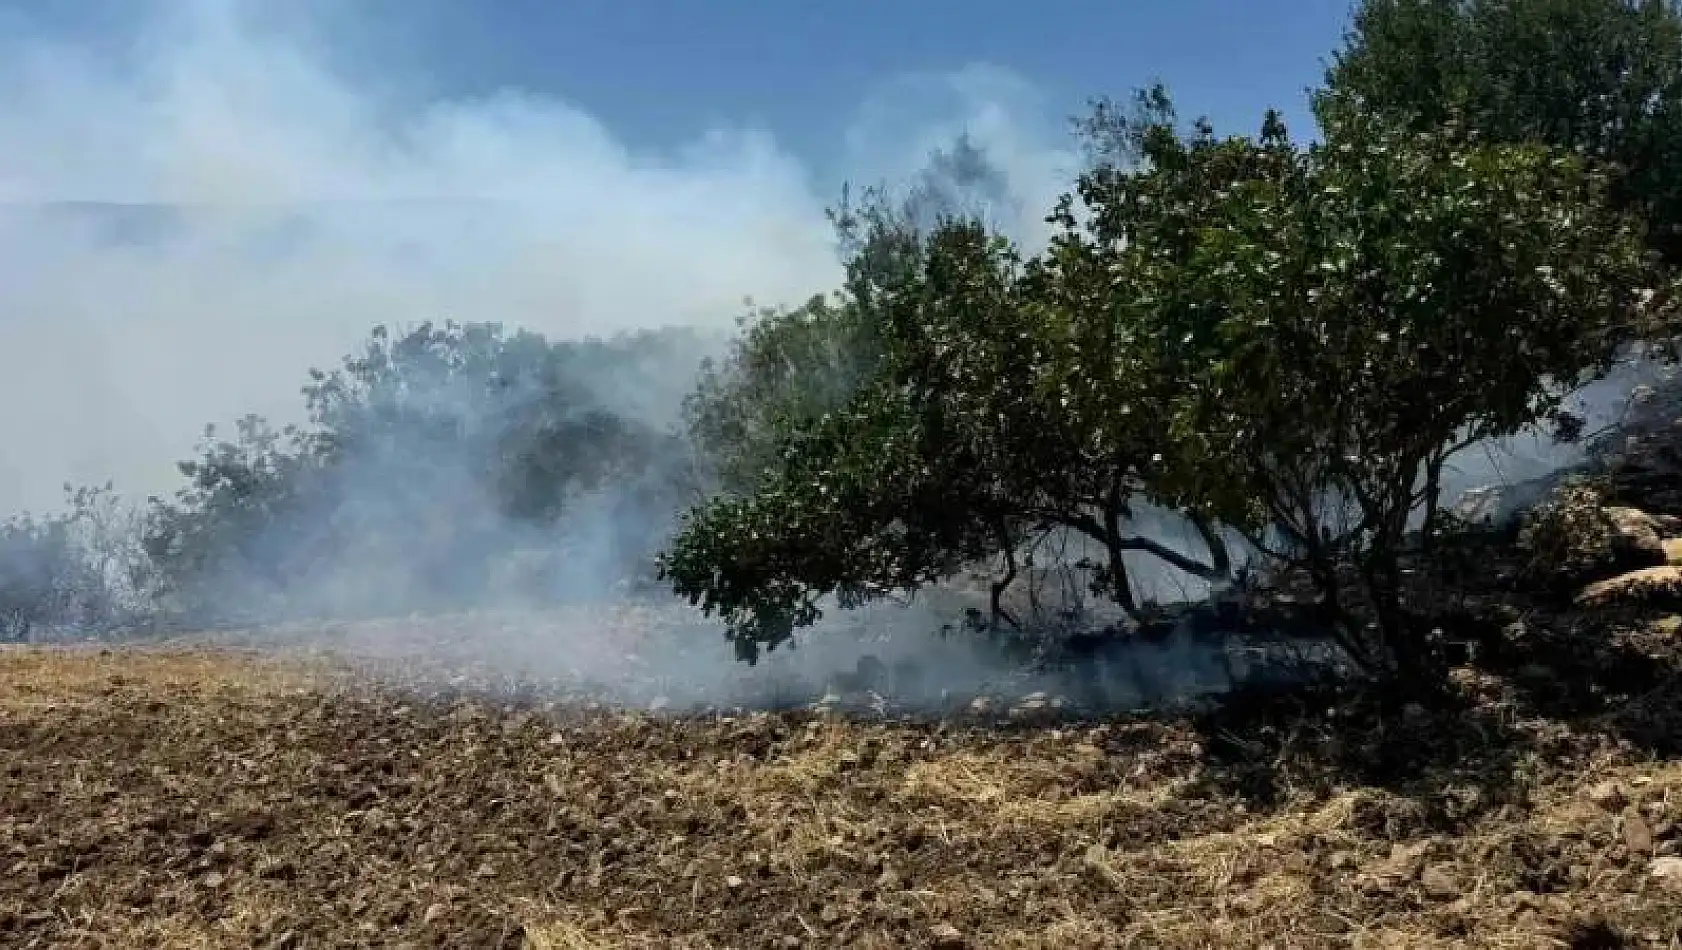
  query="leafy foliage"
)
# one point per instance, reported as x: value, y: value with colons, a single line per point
x: 427, y: 459
x: 956, y: 448
x: 1570, y: 536
x: 1285, y: 341
x: 787, y: 369
x: 1275, y: 342
x: 78, y: 569
x: 1598, y: 78
x: 40, y: 573
x: 877, y: 494
x: 1325, y: 326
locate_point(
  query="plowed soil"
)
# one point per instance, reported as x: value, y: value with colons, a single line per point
x: 170, y: 798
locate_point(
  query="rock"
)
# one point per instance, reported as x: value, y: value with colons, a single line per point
x: 1672, y: 550
x: 1344, y: 860
x: 1638, y: 835
x: 946, y: 937
x: 1500, y: 504
x: 1668, y: 626
x: 1637, y: 537
x: 1668, y: 872
x: 1608, y: 795
x: 981, y: 705
x: 1651, y: 584
x: 1440, y: 881
x: 435, y: 913
x: 1404, y: 864
x: 734, y: 884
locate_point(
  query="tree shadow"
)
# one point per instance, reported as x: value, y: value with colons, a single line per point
x: 1543, y: 690
x: 1618, y: 673
x: 1271, y: 748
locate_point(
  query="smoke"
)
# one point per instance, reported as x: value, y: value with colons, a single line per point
x: 197, y: 205
x: 201, y: 208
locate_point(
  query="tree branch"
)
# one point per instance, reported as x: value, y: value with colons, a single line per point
x: 1174, y: 558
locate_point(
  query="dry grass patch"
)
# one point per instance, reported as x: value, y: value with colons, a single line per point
x: 95, y: 674
x: 181, y: 799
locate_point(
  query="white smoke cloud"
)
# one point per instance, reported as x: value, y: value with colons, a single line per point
x: 192, y: 223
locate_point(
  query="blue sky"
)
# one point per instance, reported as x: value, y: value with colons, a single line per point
x: 664, y: 69
x: 661, y: 72
x: 577, y: 167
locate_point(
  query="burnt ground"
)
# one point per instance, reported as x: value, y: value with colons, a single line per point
x: 173, y: 797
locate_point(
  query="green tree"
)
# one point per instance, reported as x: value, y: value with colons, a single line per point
x: 956, y: 448
x: 40, y: 572
x: 868, y: 497
x: 1282, y: 341
x: 1324, y: 327
x: 786, y: 369
x: 1601, y: 78
x: 238, y: 525
x: 427, y: 458
x: 79, y: 568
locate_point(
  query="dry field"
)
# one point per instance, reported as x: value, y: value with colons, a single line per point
x: 196, y: 798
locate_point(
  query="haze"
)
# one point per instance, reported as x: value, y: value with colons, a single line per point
x: 201, y: 208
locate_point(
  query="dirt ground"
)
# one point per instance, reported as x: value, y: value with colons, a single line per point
x: 174, y: 798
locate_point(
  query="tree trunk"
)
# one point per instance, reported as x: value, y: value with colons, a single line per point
x: 1433, y: 502
x: 1121, y: 586
x: 1410, y: 673
x: 1002, y: 584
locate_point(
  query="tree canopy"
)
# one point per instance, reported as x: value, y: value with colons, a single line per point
x: 1273, y: 340
x: 1598, y: 78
